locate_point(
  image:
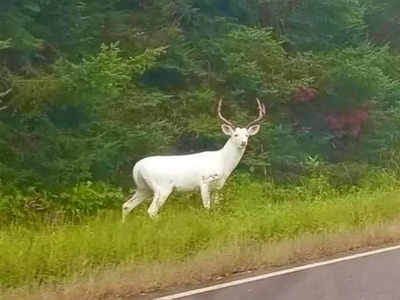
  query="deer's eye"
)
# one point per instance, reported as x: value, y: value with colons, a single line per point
x: 235, y: 135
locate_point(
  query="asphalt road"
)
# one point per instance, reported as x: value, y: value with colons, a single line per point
x: 368, y: 276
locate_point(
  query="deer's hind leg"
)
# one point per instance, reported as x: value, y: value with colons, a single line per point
x: 205, y: 195
x: 159, y: 198
x: 135, y: 200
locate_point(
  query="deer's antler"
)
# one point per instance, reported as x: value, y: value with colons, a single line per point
x: 221, y: 116
x: 261, y: 113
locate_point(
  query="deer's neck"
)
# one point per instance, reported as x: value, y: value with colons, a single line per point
x: 231, y: 156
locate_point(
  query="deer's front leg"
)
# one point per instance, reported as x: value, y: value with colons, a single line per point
x: 219, y: 185
x: 205, y: 195
x: 216, y: 197
x: 205, y: 189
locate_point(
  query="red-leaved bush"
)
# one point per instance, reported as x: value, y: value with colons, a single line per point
x: 350, y: 121
x: 304, y: 95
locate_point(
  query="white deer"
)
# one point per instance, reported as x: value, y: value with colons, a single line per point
x: 158, y: 176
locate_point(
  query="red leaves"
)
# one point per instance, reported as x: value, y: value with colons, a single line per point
x: 304, y: 95
x: 350, y: 121
x: 347, y: 122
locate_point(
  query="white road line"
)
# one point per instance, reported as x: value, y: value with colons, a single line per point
x: 275, y: 274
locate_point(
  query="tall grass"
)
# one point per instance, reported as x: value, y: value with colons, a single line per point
x: 250, y: 212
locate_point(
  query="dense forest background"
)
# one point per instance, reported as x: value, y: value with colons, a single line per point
x: 89, y: 87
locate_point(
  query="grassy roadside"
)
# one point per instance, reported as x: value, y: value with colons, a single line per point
x: 186, y: 244
x: 144, y: 281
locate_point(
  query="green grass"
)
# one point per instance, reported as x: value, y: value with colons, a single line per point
x: 250, y: 212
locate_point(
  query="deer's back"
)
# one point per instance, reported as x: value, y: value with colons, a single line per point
x: 181, y: 172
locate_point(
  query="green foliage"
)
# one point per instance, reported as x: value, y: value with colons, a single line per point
x: 16, y: 20
x: 82, y: 118
x: 324, y: 24
x: 5, y: 44
x: 356, y: 76
x: 384, y: 22
x: 253, y: 63
x: 97, y: 86
x: 251, y: 212
x: 278, y: 154
x: 108, y: 72
x: 70, y: 204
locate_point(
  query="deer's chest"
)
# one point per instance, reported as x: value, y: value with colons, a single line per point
x: 214, y: 180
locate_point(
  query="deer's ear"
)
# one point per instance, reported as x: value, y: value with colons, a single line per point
x: 228, y: 130
x: 253, y: 130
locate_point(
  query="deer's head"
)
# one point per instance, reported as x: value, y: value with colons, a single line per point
x: 240, y: 135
